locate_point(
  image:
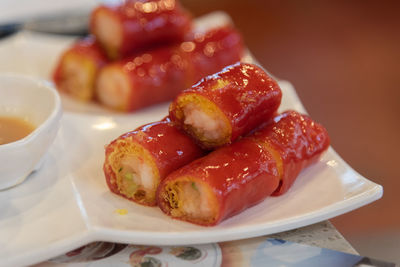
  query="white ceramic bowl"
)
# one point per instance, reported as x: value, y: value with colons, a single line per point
x: 37, y: 102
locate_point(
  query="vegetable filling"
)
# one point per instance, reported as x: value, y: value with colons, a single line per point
x: 190, y: 200
x: 113, y: 88
x: 136, y: 179
x: 205, y: 125
x: 203, y: 120
x: 135, y: 172
x: 78, y: 77
x: 108, y: 30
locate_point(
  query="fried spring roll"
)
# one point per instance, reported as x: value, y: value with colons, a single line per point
x: 219, y: 185
x: 235, y: 177
x: 226, y: 105
x: 138, y: 82
x: 77, y: 69
x: 296, y: 141
x: 158, y: 76
x: 134, y: 25
x: 137, y: 161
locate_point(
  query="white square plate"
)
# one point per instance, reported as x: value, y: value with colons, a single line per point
x: 67, y: 204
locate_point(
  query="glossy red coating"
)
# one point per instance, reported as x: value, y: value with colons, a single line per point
x: 159, y: 75
x: 210, y: 51
x: 240, y: 175
x: 249, y: 98
x: 145, y: 23
x: 87, y: 48
x: 169, y: 148
x: 299, y: 140
x: 154, y: 77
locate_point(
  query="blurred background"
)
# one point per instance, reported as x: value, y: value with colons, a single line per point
x: 343, y: 57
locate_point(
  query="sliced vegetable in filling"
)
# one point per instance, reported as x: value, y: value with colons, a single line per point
x: 136, y: 175
x: 203, y: 120
x: 190, y: 199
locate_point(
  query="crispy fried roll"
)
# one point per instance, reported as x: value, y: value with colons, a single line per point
x: 226, y: 105
x: 77, y: 68
x: 137, y: 161
x: 219, y: 185
x: 134, y: 25
x: 235, y: 177
x: 159, y: 75
x: 141, y: 81
x: 296, y: 141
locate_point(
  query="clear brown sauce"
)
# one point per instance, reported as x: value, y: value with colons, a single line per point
x: 13, y: 129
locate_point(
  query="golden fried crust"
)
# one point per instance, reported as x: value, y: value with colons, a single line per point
x: 191, y: 101
x: 124, y: 150
x: 189, y: 199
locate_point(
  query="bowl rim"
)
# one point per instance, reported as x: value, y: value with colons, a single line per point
x: 57, y: 110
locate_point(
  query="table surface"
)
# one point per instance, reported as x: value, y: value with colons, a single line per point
x: 322, y: 235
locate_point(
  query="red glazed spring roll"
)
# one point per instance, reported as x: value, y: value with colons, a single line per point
x: 235, y: 177
x: 134, y: 25
x: 219, y: 185
x: 137, y: 161
x: 77, y: 69
x: 226, y: 105
x: 296, y: 141
x: 158, y: 76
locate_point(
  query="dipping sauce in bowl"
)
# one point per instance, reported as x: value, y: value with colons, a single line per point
x: 13, y: 129
x: 30, y: 114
